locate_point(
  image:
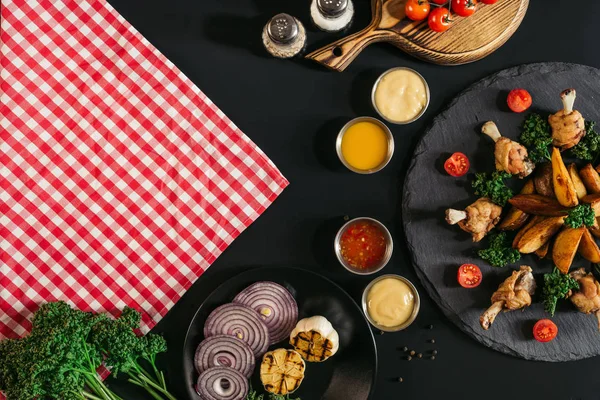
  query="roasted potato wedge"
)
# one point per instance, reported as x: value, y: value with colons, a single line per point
x: 532, y: 221
x: 577, y: 182
x: 563, y: 185
x: 598, y: 168
x: 588, y: 247
x: 590, y: 178
x: 543, y: 180
x: 565, y: 247
x: 536, y: 236
x: 515, y: 218
x: 543, y: 251
x: 537, y: 204
x: 595, y: 230
x: 594, y: 201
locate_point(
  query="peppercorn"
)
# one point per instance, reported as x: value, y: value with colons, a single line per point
x: 408, y: 358
x: 432, y: 341
x: 400, y: 379
x: 405, y: 348
x: 412, y: 352
x: 419, y: 355
x: 434, y: 352
x: 432, y: 357
x: 430, y: 327
x: 381, y: 332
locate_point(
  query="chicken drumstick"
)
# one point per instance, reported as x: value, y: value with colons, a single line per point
x: 568, y: 126
x: 512, y: 294
x: 587, y: 298
x: 510, y: 156
x: 477, y: 219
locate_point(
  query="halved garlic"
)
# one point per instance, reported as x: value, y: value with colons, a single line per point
x: 315, y: 339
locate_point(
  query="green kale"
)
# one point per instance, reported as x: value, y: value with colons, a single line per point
x: 580, y: 215
x: 556, y: 286
x: 588, y: 147
x: 536, y: 135
x: 253, y: 395
x: 493, y: 186
x: 500, y: 252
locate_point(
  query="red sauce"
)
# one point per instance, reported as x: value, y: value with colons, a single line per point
x: 363, y: 245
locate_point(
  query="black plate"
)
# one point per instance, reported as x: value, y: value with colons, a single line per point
x: 349, y: 374
x: 438, y: 249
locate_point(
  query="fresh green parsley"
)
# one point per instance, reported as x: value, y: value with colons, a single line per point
x: 588, y: 147
x: 253, y: 395
x: 556, y: 286
x: 580, y: 215
x: 500, y: 252
x: 493, y: 186
x: 536, y: 135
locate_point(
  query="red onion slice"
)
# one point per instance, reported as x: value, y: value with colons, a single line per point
x: 224, y: 351
x: 222, y: 383
x: 239, y: 321
x: 275, y: 305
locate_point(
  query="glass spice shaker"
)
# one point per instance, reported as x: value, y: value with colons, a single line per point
x: 284, y: 36
x: 332, y: 15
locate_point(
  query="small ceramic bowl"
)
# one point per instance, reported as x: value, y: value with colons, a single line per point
x: 388, y: 250
x: 390, y: 142
x: 413, y: 315
x: 386, y: 118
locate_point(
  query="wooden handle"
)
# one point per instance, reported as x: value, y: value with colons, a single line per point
x: 338, y: 55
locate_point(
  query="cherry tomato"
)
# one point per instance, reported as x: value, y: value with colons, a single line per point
x: 439, y: 19
x: 417, y: 10
x: 464, y: 8
x: 488, y: 1
x: 544, y: 330
x: 440, y: 2
x: 469, y: 276
x: 457, y: 165
x: 518, y: 100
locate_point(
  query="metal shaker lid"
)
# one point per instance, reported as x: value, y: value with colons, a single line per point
x: 332, y: 8
x: 282, y: 28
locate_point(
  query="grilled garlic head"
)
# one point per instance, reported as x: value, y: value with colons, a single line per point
x: 315, y: 339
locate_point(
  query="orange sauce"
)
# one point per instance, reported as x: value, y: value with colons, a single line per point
x: 363, y: 245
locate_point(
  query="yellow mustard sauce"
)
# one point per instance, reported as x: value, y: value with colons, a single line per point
x: 390, y: 302
x: 401, y: 95
x: 364, y: 145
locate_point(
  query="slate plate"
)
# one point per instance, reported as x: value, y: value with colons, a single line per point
x: 438, y: 249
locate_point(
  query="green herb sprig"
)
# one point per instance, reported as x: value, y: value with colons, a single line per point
x: 536, y: 135
x: 556, y: 286
x: 499, y: 252
x: 588, y: 147
x: 581, y: 215
x: 493, y: 186
x: 253, y: 395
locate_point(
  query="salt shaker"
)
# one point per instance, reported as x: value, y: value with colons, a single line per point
x: 332, y: 15
x: 284, y: 36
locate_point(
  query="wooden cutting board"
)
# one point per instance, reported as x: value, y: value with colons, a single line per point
x: 468, y: 39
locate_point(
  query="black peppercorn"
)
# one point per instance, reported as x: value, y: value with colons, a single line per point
x: 408, y: 358
x: 434, y: 352
x: 400, y: 380
x: 412, y: 352
x: 431, y: 341
x: 430, y: 327
x: 381, y: 332
x: 432, y: 357
x: 405, y: 348
x: 419, y: 355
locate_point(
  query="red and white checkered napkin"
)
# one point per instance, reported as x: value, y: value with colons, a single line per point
x: 121, y: 181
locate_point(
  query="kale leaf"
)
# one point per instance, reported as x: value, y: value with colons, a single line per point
x: 536, y: 135
x: 556, y: 286
x: 500, y: 252
x: 493, y: 186
x: 581, y: 215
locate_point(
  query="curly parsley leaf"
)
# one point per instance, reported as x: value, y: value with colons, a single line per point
x: 536, y: 135
x: 556, y: 286
x: 588, y: 147
x: 500, y: 252
x: 493, y: 186
x: 580, y: 215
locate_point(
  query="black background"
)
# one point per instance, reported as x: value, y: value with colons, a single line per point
x: 293, y: 110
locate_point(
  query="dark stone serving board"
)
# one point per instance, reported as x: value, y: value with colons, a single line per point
x: 438, y: 249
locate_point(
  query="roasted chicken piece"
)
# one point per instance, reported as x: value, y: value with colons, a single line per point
x: 477, y: 219
x: 514, y: 293
x: 587, y: 298
x: 568, y: 126
x: 510, y: 156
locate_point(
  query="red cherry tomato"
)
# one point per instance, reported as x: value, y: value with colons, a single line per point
x: 464, y: 8
x: 544, y: 330
x: 457, y: 165
x: 439, y: 19
x: 488, y: 1
x: 519, y: 100
x: 440, y: 2
x: 417, y: 10
x: 469, y: 276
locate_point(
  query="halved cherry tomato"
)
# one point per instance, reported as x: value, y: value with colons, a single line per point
x: 439, y: 19
x: 544, y: 330
x: 469, y: 276
x: 440, y: 2
x: 464, y: 8
x: 519, y: 100
x: 417, y: 10
x: 457, y: 165
x: 488, y: 1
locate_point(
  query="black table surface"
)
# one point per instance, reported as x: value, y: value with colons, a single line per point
x: 292, y: 110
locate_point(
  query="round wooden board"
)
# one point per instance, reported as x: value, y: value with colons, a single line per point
x: 468, y: 39
x: 438, y: 248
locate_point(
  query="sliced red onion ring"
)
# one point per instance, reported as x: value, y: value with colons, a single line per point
x: 224, y: 351
x: 222, y: 383
x: 275, y: 305
x: 239, y: 321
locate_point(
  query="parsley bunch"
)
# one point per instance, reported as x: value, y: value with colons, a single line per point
x: 580, y: 215
x: 536, y: 135
x: 588, y: 147
x: 556, y: 286
x: 493, y: 186
x: 500, y: 252
x: 253, y: 395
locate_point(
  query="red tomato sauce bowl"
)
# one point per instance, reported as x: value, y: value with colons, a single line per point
x: 363, y: 246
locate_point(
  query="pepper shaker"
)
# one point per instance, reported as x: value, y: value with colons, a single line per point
x: 332, y: 15
x: 284, y: 36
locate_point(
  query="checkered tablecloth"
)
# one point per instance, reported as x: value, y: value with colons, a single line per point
x: 121, y: 181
